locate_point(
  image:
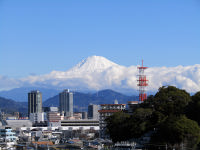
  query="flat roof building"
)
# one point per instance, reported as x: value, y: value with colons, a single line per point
x: 80, y: 124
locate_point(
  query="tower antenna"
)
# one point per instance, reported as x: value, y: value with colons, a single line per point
x: 142, y: 83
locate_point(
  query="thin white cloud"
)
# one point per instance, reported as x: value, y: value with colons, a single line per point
x: 8, y: 83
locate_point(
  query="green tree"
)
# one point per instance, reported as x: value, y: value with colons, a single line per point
x: 139, y: 122
x: 164, y: 114
x: 177, y: 132
x: 170, y: 101
x: 118, y: 126
x: 193, y: 109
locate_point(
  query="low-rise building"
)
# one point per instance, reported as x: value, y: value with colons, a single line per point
x: 7, y: 135
x: 54, y: 118
x: 105, y: 111
x: 36, y: 117
x: 84, y: 124
x: 19, y: 123
x: 77, y: 115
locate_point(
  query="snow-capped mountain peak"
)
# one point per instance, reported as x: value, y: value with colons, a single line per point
x: 94, y: 64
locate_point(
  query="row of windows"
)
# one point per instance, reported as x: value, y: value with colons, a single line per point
x: 79, y: 124
x: 113, y: 107
x: 80, y: 121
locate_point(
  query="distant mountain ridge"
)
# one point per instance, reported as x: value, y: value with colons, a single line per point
x: 9, y: 106
x: 21, y: 94
x: 81, y: 101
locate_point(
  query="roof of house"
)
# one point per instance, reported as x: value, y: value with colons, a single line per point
x: 43, y: 143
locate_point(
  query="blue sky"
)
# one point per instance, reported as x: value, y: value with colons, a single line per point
x: 37, y: 36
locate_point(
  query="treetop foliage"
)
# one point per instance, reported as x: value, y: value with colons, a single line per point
x: 165, y: 114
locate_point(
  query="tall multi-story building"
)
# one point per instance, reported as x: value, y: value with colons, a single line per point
x: 105, y: 111
x: 93, y: 111
x: 34, y: 102
x: 66, y: 102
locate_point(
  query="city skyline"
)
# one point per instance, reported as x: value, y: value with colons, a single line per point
x: 63, y: 63
x: 39, y: 37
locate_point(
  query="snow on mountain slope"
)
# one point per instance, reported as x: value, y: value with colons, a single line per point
x: 97, y: 73
x: 93, y: 64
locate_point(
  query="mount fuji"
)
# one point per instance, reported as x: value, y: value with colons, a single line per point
x: 97, y: 73
x: 92, y: 74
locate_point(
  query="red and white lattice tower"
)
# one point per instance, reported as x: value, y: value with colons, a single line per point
x: 142, y: 83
